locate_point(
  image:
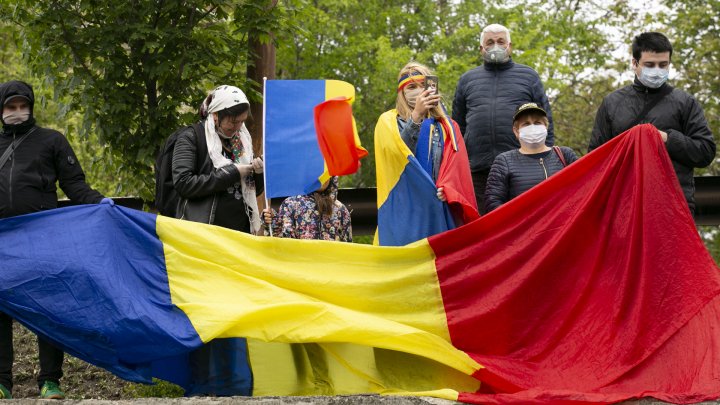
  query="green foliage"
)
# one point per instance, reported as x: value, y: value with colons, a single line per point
x: 101, y: 171
x: 694, y: 30
x: 367, y: 47
x: 160, y: 389
x: 136, y: 70
x: 363, y: 239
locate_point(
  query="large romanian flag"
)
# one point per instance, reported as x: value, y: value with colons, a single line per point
x: 310, y: 135
x: 593, y: 287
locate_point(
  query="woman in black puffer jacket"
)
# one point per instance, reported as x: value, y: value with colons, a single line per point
x: 517, y: 171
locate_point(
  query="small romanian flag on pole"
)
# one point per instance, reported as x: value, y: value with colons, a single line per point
x: 310, y: 135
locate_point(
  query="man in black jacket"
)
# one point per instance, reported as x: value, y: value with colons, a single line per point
x: 38, y: 158
x: 675, y: 113
x: 485, y: 101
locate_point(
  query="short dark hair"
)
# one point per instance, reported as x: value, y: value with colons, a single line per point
x: 233, y: 111
x: 650, y: 42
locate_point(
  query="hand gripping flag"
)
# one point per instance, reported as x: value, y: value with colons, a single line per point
x: 593, y: 287
x: 310, y: 135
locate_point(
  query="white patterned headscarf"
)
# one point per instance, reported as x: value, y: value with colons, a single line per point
x: 225, y: 97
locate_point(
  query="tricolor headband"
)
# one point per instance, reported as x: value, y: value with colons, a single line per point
x: 407, y: 78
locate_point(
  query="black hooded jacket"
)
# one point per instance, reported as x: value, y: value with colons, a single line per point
x: 689, y: 143
x: 28, y: 179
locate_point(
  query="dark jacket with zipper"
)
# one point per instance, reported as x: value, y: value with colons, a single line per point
x: 28, y: 179
x: 689, y: 143
x: 486, y: 99
x: 514, y: 173
x: 200, y: 185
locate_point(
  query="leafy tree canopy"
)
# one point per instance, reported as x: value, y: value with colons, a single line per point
x: 136, y: 70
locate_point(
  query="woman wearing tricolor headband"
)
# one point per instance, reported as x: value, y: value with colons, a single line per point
x: 420, y: 128
x: 415, y: 103
x: 215, y: 174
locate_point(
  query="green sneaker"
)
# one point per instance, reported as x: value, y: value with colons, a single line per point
x: 5, y: 393
x: 50, y: 390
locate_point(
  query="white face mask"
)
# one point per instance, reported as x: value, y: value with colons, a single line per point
x: 16, y: 117
x: 533, y: 134
x: 411, y: 95
x: 653, y: 77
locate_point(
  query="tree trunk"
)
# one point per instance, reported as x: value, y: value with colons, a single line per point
x: 262, y: 65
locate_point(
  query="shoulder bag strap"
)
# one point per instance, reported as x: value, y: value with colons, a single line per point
x: 560, y: 155
x: 6, y: 155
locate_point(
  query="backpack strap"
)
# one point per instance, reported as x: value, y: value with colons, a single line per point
x: 560, y: 155
x: 166, y: 198
x: 6, y: 155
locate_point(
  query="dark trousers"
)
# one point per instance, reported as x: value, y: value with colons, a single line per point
x: 479, y: 180
x: 221, y: 368
x: 51, y: 358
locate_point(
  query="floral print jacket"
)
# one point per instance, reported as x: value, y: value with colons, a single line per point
x: 298, y: 218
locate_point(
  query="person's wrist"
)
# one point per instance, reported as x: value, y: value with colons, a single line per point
x: 416, y: 121
x: 244, y: 170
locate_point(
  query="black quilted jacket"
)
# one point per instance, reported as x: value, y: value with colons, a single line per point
x: 513, y: 173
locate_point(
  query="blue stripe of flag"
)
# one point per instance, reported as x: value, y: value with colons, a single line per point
x: 412, y: 210
x: 293, y: 161
x: 92, y: 280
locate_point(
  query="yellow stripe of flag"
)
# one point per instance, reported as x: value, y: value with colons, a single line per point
x: 232, y: 284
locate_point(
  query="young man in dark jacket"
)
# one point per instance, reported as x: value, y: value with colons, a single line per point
x: 38, y: 159
x: 675, y: 113
x: 485, y: 101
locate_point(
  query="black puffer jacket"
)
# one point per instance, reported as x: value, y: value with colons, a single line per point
x: 486, y: 99
x: 28, y: 179
x: 199, y: 184
x: 514, y: 173
x: 690, y: 143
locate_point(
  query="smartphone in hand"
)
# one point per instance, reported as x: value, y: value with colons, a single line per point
x: 431, y: 82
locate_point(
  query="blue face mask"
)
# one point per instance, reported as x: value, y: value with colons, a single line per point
x: 653, y: 77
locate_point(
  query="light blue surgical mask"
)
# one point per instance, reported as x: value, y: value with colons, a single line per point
x: 653, y: 77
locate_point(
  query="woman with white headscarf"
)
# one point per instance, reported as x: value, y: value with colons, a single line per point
x: 215, y: 174
x: 214, y: 171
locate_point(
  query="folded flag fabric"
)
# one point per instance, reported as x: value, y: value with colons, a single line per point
x: 408, y: 207
x: 310, y: 135
x: 583, y: 290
